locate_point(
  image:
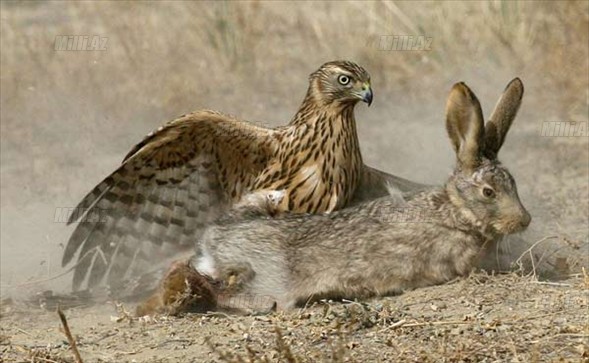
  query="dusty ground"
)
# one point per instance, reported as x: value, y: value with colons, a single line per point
x: 67, y: 119
x: 505, y: 318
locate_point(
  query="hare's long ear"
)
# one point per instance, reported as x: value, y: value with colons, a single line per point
x: 502, y: 117
x: 465, y: 125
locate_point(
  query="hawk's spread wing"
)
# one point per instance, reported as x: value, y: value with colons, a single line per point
x: 375, y: 184
x: 167, y: 189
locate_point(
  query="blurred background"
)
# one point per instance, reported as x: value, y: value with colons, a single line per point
x: 69, y: 117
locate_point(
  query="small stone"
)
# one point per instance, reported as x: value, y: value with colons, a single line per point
x: 456, y: 331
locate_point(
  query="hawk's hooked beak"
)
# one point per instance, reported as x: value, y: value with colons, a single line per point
x: 366, y: 93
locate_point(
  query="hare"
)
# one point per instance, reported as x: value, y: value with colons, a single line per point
x: 375, y: 248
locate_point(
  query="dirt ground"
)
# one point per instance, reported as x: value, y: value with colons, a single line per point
x: 482, y: 318
x: 68, y: 118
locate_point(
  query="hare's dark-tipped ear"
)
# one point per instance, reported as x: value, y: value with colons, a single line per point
x: 502, y: 117
x: 465, y: 125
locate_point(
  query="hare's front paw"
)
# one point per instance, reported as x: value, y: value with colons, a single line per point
x: 181, y: 290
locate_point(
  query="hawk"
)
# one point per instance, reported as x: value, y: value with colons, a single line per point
x: 185, y: 174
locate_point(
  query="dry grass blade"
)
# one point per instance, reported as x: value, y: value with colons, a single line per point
x: 69, y: 336
x: 528, y: 251
x: 283, y: 347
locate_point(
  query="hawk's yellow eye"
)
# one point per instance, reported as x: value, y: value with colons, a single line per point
x: 343, y: 79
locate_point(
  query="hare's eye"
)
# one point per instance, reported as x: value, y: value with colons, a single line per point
x: 488, y: 192
x: 343, y: 79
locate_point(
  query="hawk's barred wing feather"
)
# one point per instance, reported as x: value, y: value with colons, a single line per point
x: 168, y: 188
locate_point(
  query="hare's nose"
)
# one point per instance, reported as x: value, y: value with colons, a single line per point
x: 526, y: 219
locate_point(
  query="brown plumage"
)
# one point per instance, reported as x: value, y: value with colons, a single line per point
x: 184, y: 175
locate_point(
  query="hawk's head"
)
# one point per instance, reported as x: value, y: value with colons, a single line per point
x: 341, y: 82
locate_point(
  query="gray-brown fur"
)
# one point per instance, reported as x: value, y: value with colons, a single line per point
x: 382, y: 246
